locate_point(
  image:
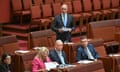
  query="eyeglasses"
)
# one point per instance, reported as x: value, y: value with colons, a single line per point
x: 64, y: 8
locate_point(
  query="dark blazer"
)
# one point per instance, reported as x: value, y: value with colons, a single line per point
x: 81, y: 54
x: 4, y: 67
x: 54, y: 56
x: 58, y: 23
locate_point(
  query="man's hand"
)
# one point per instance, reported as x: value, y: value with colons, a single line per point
x: 70, y: 30
x: 60, y: 30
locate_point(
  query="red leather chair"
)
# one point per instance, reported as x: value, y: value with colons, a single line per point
x: 38, y: 2
x: 69, y: 3
x: 97, y: 9
x: 77, y: 9
x: 59, y: 1
x: 115, y: 8
x: 36, y: 17
x: 87, y: 7
x: 18, y: 10
x: 77, y: 15
x: 56, y: 8
x: 49, y: 1
x: 47, y: 14
x: 107, y: 13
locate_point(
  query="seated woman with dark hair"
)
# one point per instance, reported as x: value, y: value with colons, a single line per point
x: 39, y: 60
x: 5, y: 63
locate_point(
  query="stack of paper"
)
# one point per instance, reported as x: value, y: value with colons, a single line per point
x: 114, y: 55
x: 22, y: 51
x: 51, y: 65
x: 85, y: 61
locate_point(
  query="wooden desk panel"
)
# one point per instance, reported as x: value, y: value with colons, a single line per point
x: 91, y: 67
x: 23, y: 62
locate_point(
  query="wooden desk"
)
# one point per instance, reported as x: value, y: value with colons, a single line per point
x: 69, y: 52
x: 96, y: 66
x: 116, y: 63
x: 23, y: 62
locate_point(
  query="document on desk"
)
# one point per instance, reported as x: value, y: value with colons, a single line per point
x: 85, y: 61
x: 111, y: 55
x: 69, y: 65
x: 51, y: 65
x: 22, y: 51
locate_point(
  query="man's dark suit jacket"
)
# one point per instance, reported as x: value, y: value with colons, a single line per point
x: 4, y: 67
x: 54, y: 56
x: 58, y: 23
x: 81, y: 54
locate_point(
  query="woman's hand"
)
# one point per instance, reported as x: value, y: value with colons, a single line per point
x: 42, y: 70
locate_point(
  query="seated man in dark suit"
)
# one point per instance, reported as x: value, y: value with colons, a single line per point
x: 86, y: 51
x: 57, y: 54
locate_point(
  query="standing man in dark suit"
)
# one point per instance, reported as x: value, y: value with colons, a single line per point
x: 86, y: 51
x: 57, y: 54
x: 63, y: 25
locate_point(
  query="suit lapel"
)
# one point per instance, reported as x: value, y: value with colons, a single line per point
x: 61, y: 19
x: 57, y: 55
x: 67, y: 20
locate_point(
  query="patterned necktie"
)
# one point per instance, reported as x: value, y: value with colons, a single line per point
x: 89, y: 53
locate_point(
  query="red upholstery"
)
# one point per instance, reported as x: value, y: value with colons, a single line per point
x: 56, y: 8
x: 106, y: 4
x: 69, y: 6
x: 17, y: 9
x: 87, y: 8
x: 38, y: 2
x: 49, y: 1
x: 35, y: 12
x: 96, y: 8
x: 115, y: 3
x: 115, y: 7
x: 47, y: 14
x: 77, y: 6
x: 97, y: 4
x: 87, y: 5
x: 77, y: 9
x: 58, y: 1
x: 46, y: 10
x: 36, y: 17
x: 106, y: 8
x: 27, y: 4
x: 16, y: 5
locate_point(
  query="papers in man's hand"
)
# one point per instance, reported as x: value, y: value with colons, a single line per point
x: 85, y: 61
x: 51, y: 65
x: 66, y: 29
x: 114, y: 55
x: 22, y: 51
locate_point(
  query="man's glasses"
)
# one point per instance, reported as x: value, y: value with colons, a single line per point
x: 64, y: 8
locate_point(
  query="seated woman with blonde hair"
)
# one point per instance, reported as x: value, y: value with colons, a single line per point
x: 39, y: 60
